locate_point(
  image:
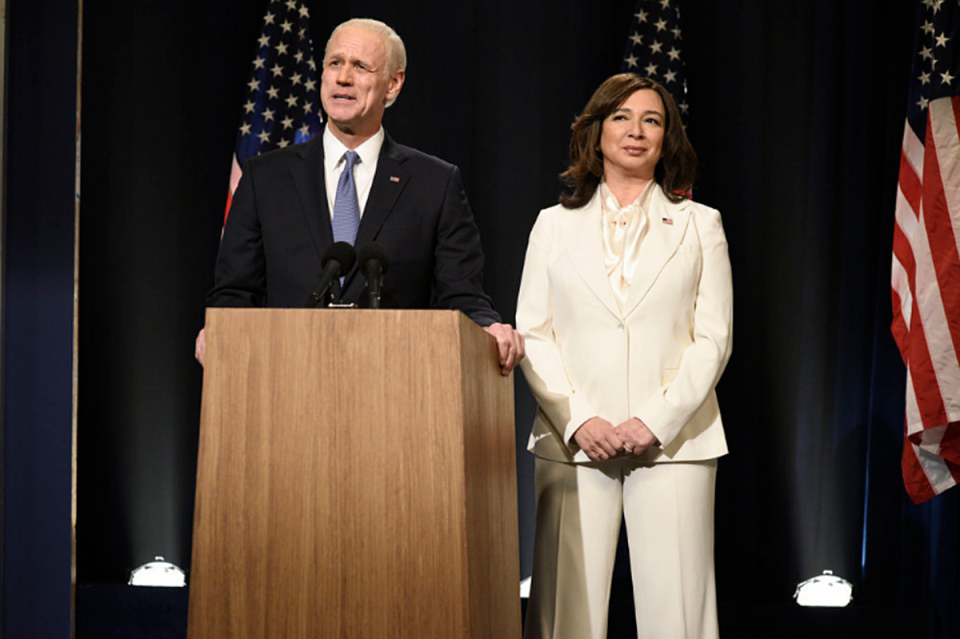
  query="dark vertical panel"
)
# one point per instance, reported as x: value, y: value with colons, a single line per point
x: 38, y: 316
x: 728, y: 95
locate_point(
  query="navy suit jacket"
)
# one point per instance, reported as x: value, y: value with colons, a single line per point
x: 279, y: 228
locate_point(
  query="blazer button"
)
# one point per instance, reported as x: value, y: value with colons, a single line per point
x: 620, y: 328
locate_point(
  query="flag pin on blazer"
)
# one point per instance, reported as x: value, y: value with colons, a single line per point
x: 394, y: 178
x: 667, y: 220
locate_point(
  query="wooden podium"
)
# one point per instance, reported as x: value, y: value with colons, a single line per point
x: 356, y: 478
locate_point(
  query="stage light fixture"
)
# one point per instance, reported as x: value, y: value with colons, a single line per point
x: 826, y: 590
x: 525, y: 588
x: 158, y: 573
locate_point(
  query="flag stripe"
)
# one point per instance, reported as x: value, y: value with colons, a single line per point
x: 944, y: 231
x: 910, y: 185
x: 915, y: 478
x: 913, y: 149
x: 943, y: 228
x: 912, y: 408
x: 903, y: 270
x: 926, y: 386
x: 940, y: 472
x: 235, y: 174
x: 938, y: 267
x: 950, y: 444
x: 901, y: 315
x: 906, y: 228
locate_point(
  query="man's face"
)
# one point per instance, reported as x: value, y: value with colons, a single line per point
x: 354, y: 88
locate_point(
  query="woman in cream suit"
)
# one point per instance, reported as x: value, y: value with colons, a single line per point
x: 626, y: 309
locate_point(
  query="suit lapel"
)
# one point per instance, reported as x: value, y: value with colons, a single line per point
x: 312, y: 190
x: 581, y: 232
x: 667, y: 224
x: 388, y: 182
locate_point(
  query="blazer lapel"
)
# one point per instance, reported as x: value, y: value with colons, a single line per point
x: 312, y: 190
x: 388, y: 183
x: 582, y: 237
x: 667, y: 224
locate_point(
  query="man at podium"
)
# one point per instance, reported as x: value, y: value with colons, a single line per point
x: 355, y: 184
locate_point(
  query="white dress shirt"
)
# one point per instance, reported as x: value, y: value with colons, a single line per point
x: 363, y: 171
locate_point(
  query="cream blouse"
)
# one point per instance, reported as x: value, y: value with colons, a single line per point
x: 623, y: 230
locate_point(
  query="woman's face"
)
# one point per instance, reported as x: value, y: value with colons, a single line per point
x: 632, y: 137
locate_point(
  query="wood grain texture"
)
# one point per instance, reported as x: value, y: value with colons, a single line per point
x: 356, y: 478
x: 491, y: 498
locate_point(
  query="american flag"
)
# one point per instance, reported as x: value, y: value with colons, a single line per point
x: 653, y: 48
x: 283, y: 100
x: 926, y: 261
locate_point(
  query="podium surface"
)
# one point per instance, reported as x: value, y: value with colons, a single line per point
x: 356, y: 478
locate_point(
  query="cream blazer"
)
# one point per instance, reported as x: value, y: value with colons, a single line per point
x: 658, y: 360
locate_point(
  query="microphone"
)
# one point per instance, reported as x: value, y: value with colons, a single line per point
x: 338, y: 258
x: 373, y: 263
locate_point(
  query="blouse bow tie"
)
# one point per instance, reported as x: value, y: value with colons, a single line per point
x: 623, y: 230
x: 621, y: 217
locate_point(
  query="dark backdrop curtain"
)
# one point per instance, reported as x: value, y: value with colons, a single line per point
x: 796, y: 112
x: 798, y: 117
x: 36, y: 316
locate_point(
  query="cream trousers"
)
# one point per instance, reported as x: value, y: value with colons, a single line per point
x: 668, y: 509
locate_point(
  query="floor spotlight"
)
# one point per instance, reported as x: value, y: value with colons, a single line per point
x: 158, y: 573
x: 826, y: 590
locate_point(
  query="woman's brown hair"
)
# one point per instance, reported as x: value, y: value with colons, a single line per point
x: 677, y: 168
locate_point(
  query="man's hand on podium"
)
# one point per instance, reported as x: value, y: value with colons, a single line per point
x: 509, y: 344
x: 200, y: 348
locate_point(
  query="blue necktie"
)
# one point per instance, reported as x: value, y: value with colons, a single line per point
x: 346, y: 208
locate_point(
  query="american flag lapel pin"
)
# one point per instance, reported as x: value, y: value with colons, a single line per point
x: 394, y: 178
x: 667, y: 220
